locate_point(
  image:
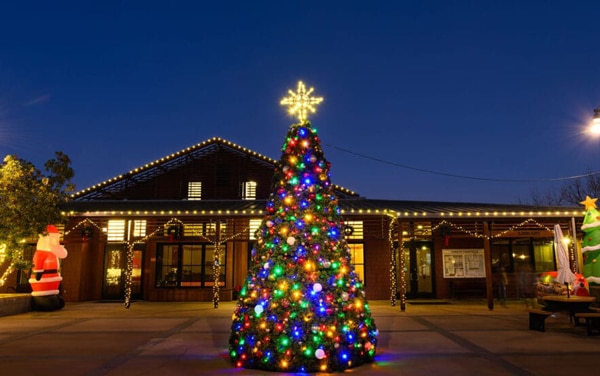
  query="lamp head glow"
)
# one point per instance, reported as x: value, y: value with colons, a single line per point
x: 595, y: 127
x: 300, y: 102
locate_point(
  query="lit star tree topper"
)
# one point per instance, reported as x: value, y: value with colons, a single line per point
x: 301, y: 102
x: 302, y: 307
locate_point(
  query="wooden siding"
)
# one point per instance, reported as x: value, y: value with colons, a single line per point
x: 221, y: 173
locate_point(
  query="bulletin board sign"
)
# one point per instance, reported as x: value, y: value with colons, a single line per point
x: 463, y: 263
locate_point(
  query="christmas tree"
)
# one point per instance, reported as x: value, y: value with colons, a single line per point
x: 590, y: 247
x: 302, y: 307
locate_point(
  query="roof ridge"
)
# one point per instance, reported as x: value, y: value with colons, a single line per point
x: 170, y: 158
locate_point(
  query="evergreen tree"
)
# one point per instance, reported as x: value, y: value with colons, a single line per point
x: 30, y: 200
x: 302, y: 307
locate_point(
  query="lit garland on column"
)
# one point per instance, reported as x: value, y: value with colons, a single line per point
x: 302, y: 307
x: 128, y: 274
x: 216, y: 274
x: 129, y: 265
x: 160, y: 229
x: 393, y: 266
x: 218, y: 243
x: 402, y: 277
x: 130, y: 246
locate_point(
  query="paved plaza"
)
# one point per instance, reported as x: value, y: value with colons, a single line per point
x: 459, y: 338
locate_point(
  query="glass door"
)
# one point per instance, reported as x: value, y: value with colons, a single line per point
x: 115, y: 265
x: 417, y: 268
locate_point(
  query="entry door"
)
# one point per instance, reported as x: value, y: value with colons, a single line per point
x: 115, y: 265
x: 418, y: 269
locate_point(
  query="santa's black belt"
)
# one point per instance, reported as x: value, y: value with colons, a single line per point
x: 50, y: 271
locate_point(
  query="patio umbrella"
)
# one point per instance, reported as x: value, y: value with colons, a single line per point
x: 564, y: 275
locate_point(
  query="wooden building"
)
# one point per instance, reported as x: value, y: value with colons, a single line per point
x: 169, y: 218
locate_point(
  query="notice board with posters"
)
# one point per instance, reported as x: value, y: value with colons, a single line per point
x: 463, y: 263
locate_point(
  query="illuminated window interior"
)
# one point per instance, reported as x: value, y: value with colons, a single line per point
x: 192, y: 229
x: 139, y: 227
x: 210, y: 229
x: 194, y: 190
x: 204, y: 229
x: 116, y: 230
x: 357, y: 258
x: 356, y: 231
x: 249, y: 190
x: 253, y: 226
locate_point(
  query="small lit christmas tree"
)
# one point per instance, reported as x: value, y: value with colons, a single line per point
x: 590, y: 248
x: 302, y: 307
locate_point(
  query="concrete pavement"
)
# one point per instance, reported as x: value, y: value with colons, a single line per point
x: 460, y: 338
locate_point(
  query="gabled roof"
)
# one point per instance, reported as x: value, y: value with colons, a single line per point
x: 95, y: 200
x: 174, y: 161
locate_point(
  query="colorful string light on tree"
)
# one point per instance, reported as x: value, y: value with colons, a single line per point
x: 302, y: 307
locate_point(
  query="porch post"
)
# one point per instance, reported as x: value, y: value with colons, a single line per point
x: 402, y: 273
x: 489, y: 287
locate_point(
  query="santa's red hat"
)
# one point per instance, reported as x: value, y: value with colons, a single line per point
x: 52, y: 229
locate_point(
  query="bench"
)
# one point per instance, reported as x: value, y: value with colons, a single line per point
x: 592, y: 321
x: 537, y: 319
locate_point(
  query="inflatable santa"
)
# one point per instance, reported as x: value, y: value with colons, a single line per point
x: 45, y: 276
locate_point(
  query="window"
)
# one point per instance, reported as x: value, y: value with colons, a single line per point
x: 194, y: 190
x: 543, y: 255
x: 204, y: 229
x: 210, y: 229
x: 139, y: 227
x: 191, y: 265
x: 192, y: 229
x: 188, y: 265
x: 167, y: 263
x: 353, y: 230
x: 116, y: 230
x: 253, y: 227
x: 249, y: 190
x: 357, y: 258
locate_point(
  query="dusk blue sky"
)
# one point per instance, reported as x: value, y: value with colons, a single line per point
x: 493, y: 90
